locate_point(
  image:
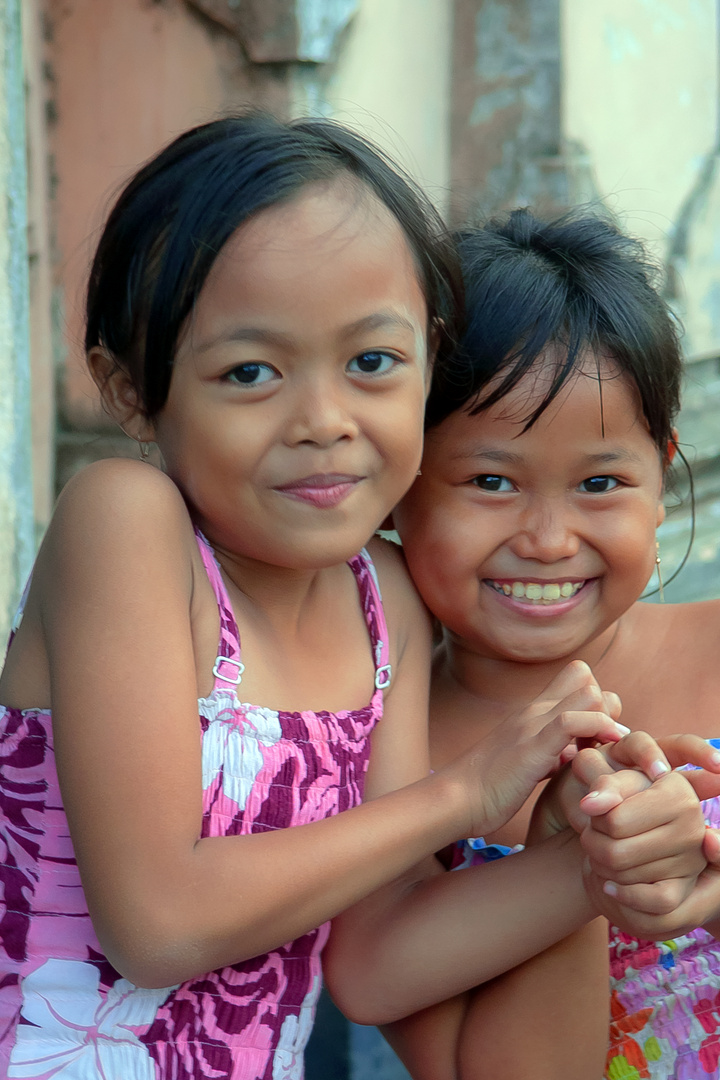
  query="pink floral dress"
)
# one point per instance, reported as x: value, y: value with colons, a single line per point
x: 65, y: 1012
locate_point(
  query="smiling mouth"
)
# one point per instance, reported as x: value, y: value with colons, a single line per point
x: 540, y: 593
x: 323, y: 490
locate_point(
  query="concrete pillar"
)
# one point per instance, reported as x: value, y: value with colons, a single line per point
x: 16, y: 494
x: 508, y: 142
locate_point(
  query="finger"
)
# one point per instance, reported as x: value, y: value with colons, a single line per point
x: 661, y: 898
x: 567, y: 726
x: 705, y: 784
x: 682, y: 842
x: 690, y: 750
x: 611, y: 790
x: 569, y: 754
x: 590, y: 764
x: 665, y: 801
x: 575, y: 676
x: 638, y: 750
x: 612, y: 704
x: 711, y: 845
x: 697, y: 910
x: 684, y: 864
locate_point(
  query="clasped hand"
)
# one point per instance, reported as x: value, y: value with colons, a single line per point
x: 652, y: 866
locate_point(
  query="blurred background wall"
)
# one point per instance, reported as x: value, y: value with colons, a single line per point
x: 488, y: 103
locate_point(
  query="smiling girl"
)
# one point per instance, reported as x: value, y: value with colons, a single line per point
x: 531, y: 536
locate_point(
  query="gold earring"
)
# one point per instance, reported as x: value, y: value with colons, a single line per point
x: 658, y: 560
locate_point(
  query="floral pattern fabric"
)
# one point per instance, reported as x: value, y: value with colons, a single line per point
x: 665, y: 1002
x: 65, y: 1012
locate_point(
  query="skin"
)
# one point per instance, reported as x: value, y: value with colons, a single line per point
x: 576, y: 498
x: 292, y: 425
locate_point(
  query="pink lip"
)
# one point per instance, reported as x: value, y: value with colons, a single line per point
x: 542, y: 611
x: 324, y: 490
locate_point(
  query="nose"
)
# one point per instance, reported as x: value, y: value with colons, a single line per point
x: 320, y: 414
x: 546, y: 531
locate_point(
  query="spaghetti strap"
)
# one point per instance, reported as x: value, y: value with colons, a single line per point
x: 364, y: 569
x: 228, y: 668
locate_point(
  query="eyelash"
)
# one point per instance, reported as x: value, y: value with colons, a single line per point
x: 485, y: 482
x: 394, y: 360
x: 491, y: 478
x: 228, y: 376
x: 272, y: 373
x: 589, y: 480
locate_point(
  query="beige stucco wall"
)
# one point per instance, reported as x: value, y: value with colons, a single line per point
x: 392, y: 81
x: 640, y: 93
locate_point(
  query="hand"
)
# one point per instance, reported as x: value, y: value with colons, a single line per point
x: 646, y: 843
x: 501, y: 771
x: 660, y: 917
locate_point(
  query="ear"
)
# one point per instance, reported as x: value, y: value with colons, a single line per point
x: 672, y: 445
x: 118, y: 394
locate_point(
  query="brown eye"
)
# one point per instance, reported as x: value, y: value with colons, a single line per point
x: 490, y: 482
x: 597, y: 485
x: 251, y: 374
x: 372, y: 363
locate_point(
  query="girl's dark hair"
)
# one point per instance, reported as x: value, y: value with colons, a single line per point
x: 175, y: 215
x: 577, y: 283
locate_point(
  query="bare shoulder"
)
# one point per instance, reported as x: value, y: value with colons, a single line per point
x: 695, y: 624
x: 112, y: 516
x: 118, y: 488
x: 408, y: 620
x: 396, y: 585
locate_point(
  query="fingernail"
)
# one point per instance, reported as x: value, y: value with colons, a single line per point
x: 621, y: 727
x: 658, y: 769
x: 715, y: 759
x: 610, y: 888
x: 592, y: 795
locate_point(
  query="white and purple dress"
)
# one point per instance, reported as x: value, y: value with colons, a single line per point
x: 65, y: 1012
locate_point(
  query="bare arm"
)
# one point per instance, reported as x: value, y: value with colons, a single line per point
x: 433, y: 935
x: 545, y: 1019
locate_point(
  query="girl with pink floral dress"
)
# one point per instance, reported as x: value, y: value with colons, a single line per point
x: 204, y: 658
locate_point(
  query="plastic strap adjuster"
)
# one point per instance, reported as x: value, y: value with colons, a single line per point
x: 228, y: 660
x: 383, y: 677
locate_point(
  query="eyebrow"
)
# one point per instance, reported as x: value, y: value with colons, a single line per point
x: 620, y: 456
x: 379, y: 320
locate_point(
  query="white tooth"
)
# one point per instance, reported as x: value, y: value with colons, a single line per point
x: 518, y: 589
x: 551, y: 592
x: 568, y: 589
x: 533, y: 591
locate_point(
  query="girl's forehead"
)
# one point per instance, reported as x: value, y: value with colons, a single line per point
x: 597, y: 403
x: 322, y: 219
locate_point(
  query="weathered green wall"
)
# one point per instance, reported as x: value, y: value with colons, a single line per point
x: 16, y: 500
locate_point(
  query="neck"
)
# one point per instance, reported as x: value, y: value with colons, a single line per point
x: 510, y: 682
x: 277, y: 594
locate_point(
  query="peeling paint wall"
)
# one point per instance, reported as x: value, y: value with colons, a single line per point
x: 16, y: 493
x: 640, y: 90
x: 392, y: 81
x: 640, y: 93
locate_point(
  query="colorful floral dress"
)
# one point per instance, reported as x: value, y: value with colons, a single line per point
x: 65, y: 1012
x: 664, y: 995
